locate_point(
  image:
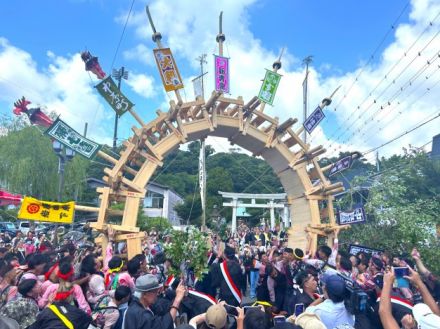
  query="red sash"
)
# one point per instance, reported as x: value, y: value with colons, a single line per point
x: 206, y: 297
x: 227, y: 276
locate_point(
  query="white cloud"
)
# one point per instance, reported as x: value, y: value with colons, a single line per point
x: 63, y: 87
x: 194, y: 33
x: 142, y: 84
x: 140, y: 53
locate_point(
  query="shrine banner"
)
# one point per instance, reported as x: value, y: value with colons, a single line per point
x: 108, y: 89
x: 197, y: 85
x: 168, y: 70
x: 340, y: 165
x: 269, y: 87
x: 354, y: 249
x: 72, y: 139
x: 357, y: 215
x: 314, y: 119
x: 45, y: 211
x: 221, y: 74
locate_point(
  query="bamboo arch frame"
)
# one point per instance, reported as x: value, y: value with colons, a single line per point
x: 310, y: 194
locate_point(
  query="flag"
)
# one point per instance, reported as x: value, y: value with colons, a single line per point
x: 168, y: 70
x: 269, y: 87
x: 46, y: 211
x: 357, y: 215
x: 197, y: 85
x: 314, y: 119
x: 72, y: 139
x: 7, y: 198
x: 117, y: 100
x: 221, y: 74
x: 202, y: 175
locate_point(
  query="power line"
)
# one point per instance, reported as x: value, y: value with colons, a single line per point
x: 405, y: 53
x: 423, y: 68
x: 429, y: 89
x: 122, y: 34
x: 365, y: 126
x: 401, y: 135
x: 372, y: 56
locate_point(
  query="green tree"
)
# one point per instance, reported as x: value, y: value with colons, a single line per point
x: 402, y: 208
x: 29, y: 166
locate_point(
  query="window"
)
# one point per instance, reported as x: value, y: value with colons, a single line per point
x: 153, y: 200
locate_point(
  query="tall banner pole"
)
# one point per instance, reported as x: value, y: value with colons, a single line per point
x: 202, y: 183
x: 306, y: 61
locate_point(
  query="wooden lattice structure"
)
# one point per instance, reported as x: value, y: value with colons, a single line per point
x: 310, y: 194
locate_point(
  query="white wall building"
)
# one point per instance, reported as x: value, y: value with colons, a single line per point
x: 160, y: 201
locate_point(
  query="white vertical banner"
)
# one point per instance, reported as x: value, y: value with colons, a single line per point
x: 197, y: 85
x: 202, y: 176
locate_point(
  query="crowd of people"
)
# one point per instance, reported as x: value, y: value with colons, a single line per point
x: 254, y: 281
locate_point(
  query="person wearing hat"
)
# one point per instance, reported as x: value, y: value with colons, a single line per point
x: 215, y: 318
x: 309, y: 320
x: 331, y: 308
x: 139, y: 314
x: 24, y: 309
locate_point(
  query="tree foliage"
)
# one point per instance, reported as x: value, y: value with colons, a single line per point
x: 402, y: 207
x: 29, y: 166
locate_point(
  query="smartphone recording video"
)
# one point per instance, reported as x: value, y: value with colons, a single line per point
x: 400, y: 273
x: 231, y: 310
x: 248, y: 308
x: 299, y: 308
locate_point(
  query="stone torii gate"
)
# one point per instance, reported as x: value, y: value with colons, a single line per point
x: 235, y: 203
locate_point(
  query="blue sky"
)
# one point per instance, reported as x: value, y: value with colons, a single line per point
x: 45, y: 38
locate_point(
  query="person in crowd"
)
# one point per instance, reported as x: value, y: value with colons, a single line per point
x: 121, y: 300
x: 308, y: 289
x: 8, y: 287
x: 424, y: 315
x: 330, y: 308
x: 139, y: 314
x: 228, y: 276
x: 64, y: 273
x: 23, y: 309
x: 61, y: 313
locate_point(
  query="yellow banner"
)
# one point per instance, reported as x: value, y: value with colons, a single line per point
x: 45, y: 211
x: 168, y: 70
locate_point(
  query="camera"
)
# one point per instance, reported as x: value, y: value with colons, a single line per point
x: 356, y: 300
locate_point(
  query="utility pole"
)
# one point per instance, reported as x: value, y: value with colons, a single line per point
x: 118, y: 75
x: 306, y: 62
x: 377, y: 162
x: 202, y: 60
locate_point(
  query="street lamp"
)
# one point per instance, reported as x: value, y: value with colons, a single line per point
x: 64, y: 155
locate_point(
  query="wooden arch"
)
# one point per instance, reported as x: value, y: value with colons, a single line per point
x: 309, y: 192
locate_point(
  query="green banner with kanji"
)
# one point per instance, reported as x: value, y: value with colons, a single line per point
x: 269, y: 87
x: 117, y: 100
x: 70, y: 138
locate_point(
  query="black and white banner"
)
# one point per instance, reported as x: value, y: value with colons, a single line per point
x: 357, y: 215
x: 341, y: 165
x: 354, y: 249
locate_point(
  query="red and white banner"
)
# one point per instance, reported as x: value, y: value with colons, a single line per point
x: 7, y: 198
x: 227, y: 276
x: 206, y: 297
